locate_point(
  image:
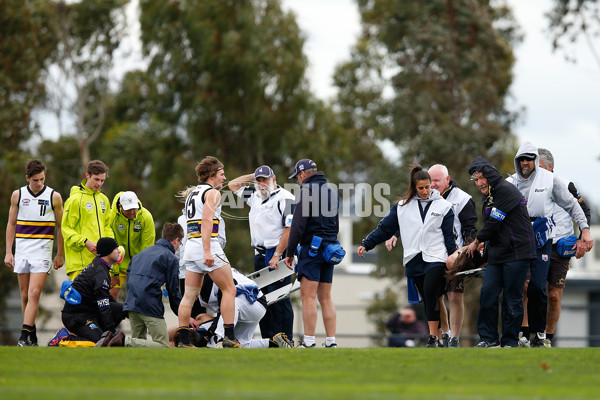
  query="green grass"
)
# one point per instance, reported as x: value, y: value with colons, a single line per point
x: 375, y: 373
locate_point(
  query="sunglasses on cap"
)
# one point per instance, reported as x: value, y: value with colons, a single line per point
x: 525, y: 158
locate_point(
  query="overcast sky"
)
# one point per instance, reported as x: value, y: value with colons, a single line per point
x: 561, y: 98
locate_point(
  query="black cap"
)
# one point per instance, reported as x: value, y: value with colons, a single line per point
x: 105, y: 246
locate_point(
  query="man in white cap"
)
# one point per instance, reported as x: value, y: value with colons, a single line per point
x: 134, y: 229
x: 271, y: 209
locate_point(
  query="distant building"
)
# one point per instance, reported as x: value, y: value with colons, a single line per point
x: 579, y: 323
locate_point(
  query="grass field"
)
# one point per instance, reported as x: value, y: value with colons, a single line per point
x: 375, y: 373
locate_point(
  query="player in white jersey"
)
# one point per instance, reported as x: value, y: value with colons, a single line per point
x: 32, y: 224
x: 204, y: 250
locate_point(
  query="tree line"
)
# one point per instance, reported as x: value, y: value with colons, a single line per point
x: 229, y: 79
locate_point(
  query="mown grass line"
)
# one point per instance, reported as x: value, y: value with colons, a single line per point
x: 377, y: 373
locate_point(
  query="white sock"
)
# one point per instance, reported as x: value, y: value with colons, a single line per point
x: 329, y: 341
x: 309, y: 340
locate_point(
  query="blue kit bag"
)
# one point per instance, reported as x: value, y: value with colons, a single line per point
x: 69, y: 293
x: 564, y: 246
x: 333, y: 253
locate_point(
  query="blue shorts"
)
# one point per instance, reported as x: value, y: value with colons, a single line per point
x: 313, y: 268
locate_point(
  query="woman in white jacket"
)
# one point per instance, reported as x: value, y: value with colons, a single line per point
x: 425, y: 221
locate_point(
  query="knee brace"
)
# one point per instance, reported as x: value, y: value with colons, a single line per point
x: 190, y: 295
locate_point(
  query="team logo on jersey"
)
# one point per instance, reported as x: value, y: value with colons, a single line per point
x: 545, y: 257
x: 43, y: 202
x: 103, y: 207
x: 288, y: 220
x: 25, y: 202
x: 137, y: 226
x: 46, y: 263
x: 89, y: 206
x: 121, y: 227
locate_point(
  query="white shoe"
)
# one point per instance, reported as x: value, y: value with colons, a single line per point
x: 524, y: 342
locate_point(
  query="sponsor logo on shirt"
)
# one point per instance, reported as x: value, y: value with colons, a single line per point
x: 541, y: 190
x: 121, y: 227
x: 137, y: 226
x: 89, y: 206
x: 102, y: 303
x: 25, y: 202
x: 497, y: 214
x: 434, y: 214
x: 288, y: 220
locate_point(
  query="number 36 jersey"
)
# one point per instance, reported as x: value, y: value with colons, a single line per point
x: 36, y: 224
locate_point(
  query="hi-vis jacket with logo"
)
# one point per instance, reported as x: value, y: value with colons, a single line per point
x: 133, y: 234
x: 86, y: 216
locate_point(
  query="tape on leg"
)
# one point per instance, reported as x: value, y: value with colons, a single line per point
x: 190, y: 295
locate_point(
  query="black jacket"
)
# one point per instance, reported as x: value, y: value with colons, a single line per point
x: 315, y: 213
x: 467, y: 216
x: 93, y: 283
x: 506, y: 227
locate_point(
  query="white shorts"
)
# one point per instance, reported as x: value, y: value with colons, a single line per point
x: 194, y: 258
x: 26, y: 266
x: 199, y: 267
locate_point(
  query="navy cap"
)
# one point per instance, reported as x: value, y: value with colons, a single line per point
x: 264, y: 171
x: 303, y: 165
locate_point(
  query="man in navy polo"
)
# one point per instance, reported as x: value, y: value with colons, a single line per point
x: 315, y: 218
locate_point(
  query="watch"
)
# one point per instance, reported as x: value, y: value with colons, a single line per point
x: 277, y: 255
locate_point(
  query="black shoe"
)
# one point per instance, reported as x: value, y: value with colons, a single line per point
x: 432, y: 342
x: 445, y: 340
x: 540, y: 340
x: 454, y: 342
x: 483, y: 344
x: 231, y: 343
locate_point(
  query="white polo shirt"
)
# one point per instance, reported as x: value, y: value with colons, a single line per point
x: 268, y: 217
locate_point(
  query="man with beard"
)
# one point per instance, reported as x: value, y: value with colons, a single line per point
x: 543, y: 190
x: 271, y: 209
